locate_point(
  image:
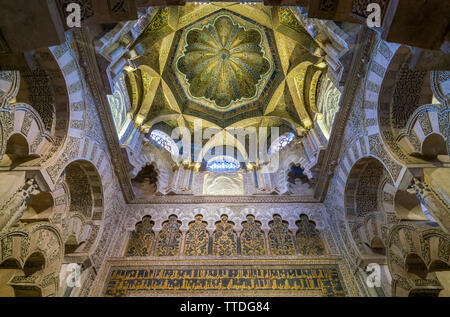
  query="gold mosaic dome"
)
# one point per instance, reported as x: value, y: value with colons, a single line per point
x: 223, y: 62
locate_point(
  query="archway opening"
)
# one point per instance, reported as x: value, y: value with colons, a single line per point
x: 17, y: 151
x: 39, y: 208
x: 45, y: 89
x: 298, y: 182
x: 415, y: 267
x: 141, y: 239
x: 145, y: 182
x: 363, y: 209
x: 362, y: 188
x: 309, y: 238
x: 11, y: 270
x: 438, y: 271
x: 17, y: 145
x: 402, y: 92
x: 85, y: 187
x: 407, y: 206
x: 8, y: 269
x: 72, y: 245
x: 34, y: 264
x: 296, y: 175
x: 433, y: 146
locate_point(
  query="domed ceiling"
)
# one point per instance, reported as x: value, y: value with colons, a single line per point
x: 228, y: 65
x: 224, y: 65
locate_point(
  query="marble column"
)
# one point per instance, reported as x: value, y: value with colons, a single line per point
x: 266, y: 238
x: 182, y: 243
x: 14, y: 208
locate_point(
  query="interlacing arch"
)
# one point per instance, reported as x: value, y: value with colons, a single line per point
x: 40, y: 131
x: 426, y: 134
x: 397, y: 105
x: 45, y: 93
x: 230, y: 232
x: 362, y: 205
x: 30, y: 258
x: 418, y: 259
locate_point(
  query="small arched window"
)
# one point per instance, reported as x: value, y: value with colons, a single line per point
x: 223, y: 164
x: 164, y: 141
x: 280, y: 143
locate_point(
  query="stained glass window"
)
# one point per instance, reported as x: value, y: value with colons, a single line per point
x: 164, y: 141
x: 281, y: 142
x: 223, y: 164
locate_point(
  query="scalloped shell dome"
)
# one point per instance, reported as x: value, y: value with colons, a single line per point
x: 223, y: 62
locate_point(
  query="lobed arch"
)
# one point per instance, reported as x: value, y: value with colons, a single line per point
x: 434, y: 145
x: 30, y: 259
x: 288, y: 159
x: 295, y: 180
x: 426, y: 134
x: 70, y: 84
x: 197, y: 237
x: 147, y: 180
x: 235, y: 215
x: 46, y: 90
x: 79, y: 234
x: 28, y: 124
x: 83, y: 176
x: 363, y: 209
x: 393, y: 94
x: 168, y: 242
x: 140, y: 240
x: 150, y: 153
x: 417, y: 255
x: 40, y: 208
x: 310, y: 239
x: 295, y: 172
x: 148, y: 236
x: 370, y: 171
x: 9, y: 86
x: 17, y: 151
